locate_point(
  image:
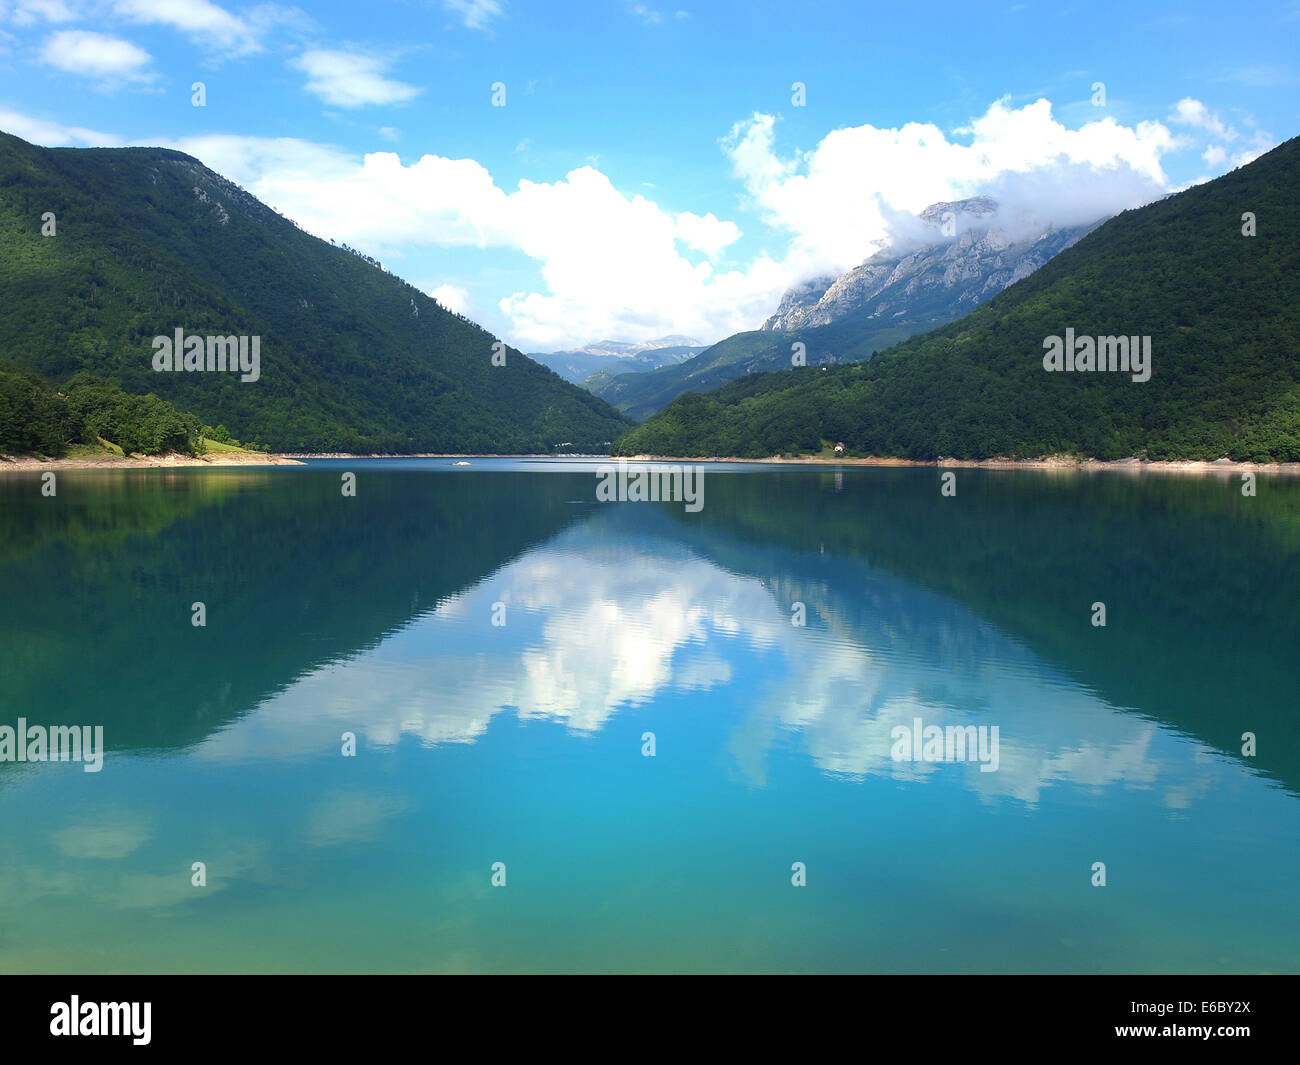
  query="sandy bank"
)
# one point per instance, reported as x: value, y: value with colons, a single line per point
x: 113, y: 462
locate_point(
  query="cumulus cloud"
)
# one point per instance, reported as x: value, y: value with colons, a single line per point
x: 111, y: 60
x: 351, y: 79
x: 844, y: 198
x: 1189, y: 112
x: 454, y: 298
x: 706, y: 234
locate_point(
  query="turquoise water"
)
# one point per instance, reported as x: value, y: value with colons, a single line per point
x: 522, y: 743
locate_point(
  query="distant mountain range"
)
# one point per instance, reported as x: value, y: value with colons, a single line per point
x: 106, y: 249
x: 1207, y: 281
x: 609, y: 357
x: 955, y: 257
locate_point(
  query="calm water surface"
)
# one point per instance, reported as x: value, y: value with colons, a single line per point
x: 522, y: 743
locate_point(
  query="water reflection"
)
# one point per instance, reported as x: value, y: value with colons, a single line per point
x: 596, y: 624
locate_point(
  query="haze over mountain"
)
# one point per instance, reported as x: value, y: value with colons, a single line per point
x: 608, y: 357
x: 1210, y: 278
x: 940, y: 264
x: 140, y: 242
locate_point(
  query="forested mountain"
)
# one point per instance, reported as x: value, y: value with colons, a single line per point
x: 1221, y: 309
x: 106, y: 249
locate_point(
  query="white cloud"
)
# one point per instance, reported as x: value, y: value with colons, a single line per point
x: 28, y: 12
x: 1262, y: 142
x: 1189, y: 112
x: 1194, y: 114
x: 453, y: 298
x: 207, y: 24
x: 38, y: 131
x: 351, y: 79
x: 706, y: 233
x: 612, y: 267
x: 96, y: 55
x: 476, y: 14
x: 839, y: 200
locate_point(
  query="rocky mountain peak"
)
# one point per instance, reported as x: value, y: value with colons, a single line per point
x: 932, y: 272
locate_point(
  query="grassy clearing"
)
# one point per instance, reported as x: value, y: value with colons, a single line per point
x: 215, y: 447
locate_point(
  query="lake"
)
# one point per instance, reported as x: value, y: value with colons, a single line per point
x: 632, y: 737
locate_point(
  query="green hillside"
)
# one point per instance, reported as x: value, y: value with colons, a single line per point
x: 640, y: 395
x: 352, y: 358
x: 1222, y: 310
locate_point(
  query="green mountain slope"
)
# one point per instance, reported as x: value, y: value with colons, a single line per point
x: 352, y: 358
x: 640, y: 395
x: 1222, y: 310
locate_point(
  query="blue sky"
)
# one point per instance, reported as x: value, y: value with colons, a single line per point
x: 651, y: 171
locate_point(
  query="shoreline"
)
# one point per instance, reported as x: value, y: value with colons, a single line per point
x: 1052, y: 463
x: 27, y: 463
x: 430, y: 455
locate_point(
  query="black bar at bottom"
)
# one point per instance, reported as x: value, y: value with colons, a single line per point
x: 342, y: 1014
